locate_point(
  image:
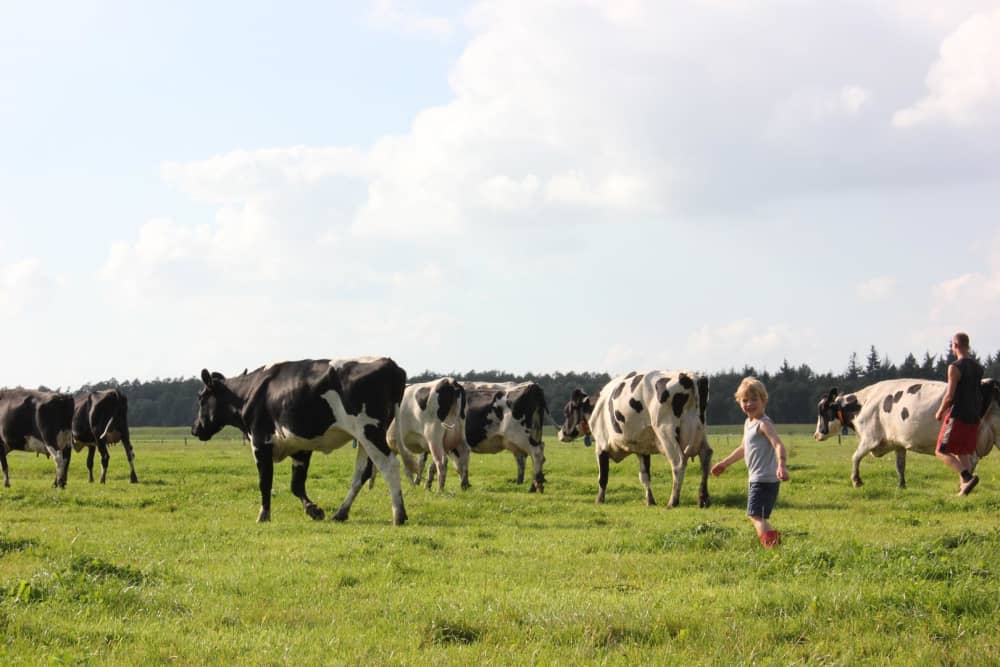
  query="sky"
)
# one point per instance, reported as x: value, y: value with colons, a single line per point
x: 530, y: 186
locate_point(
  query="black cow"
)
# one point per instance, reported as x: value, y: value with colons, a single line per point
x: 36, y: 421
x: 507, y: 416
x: 294, y: 408
x: 101, y: 419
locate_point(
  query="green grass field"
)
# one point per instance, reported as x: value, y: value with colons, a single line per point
x: 175, y: 569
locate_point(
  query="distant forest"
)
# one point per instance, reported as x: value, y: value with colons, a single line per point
x: 794, y: 390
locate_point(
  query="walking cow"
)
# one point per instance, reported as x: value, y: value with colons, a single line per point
x: 507, y: 416
x: 898, y: 415
x: 294, y: 408
x: 431, y: 420
x: 101, y: 419
x: 36, y: 421
x: 644, y: 413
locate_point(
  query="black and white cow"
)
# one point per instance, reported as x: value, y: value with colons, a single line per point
x: 644, y: 413
x: 294, y: 408
x: 101, y: 419
x: 507, y: 416
x: 36, y: 421
x: 899, y: 415
x: 431, y: 420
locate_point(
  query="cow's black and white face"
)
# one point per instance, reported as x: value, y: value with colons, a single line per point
x: 212, y: 409
x: 576, y: 413
x: 835, y: 412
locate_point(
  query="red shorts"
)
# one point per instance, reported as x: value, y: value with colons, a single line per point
x: 957, y: 437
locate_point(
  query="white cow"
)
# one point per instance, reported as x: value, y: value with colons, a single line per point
x: 644, y: 413
x: 898, y: 415
x: 431, y: 418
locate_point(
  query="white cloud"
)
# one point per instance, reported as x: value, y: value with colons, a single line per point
x: 23, y: 285
x: 387, y: 15
x: 876, y: 289
x: 964, y: 83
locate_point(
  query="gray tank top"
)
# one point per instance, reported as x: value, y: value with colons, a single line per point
x: 758, y: 452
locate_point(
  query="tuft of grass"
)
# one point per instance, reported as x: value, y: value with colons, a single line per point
x: 444, y: 632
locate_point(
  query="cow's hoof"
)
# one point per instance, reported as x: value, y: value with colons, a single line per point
x: 650, y: 502
x: 671, y: 504
x: 264, y: 516
x: 856, y: 482
x: 902, y: 485
x: 600, y: 498
x: 133, y: 479
x: 340, y: 516
x: 465, y: 486
x: 315, y: 512
x: 399, y: 520
x: 704, y: 502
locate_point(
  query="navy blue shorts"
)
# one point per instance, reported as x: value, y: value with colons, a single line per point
x: 761, y: 499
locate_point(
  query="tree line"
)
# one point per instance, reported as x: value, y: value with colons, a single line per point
x: 794, y: 390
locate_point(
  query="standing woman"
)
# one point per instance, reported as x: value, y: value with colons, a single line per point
x: 960, y: 414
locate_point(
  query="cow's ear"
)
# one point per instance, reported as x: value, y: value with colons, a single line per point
x: 832, y: 395
x: 578, y: 395
x: 206, y: 377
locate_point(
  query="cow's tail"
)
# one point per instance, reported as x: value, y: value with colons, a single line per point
x: 538, y: 420
x: 396, y: 443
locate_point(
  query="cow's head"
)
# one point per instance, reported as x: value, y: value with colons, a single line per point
x: 576, y: 413
x: 835, y: 411
x: 216, y: 406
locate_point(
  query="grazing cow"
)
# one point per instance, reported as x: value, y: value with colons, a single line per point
x: 101, y: 419
x: 36, y: 421
x: 431, y: 420
x: 507, y: 416
x: 643, y: 413
x: 294, y: 408
x: 898, y: 415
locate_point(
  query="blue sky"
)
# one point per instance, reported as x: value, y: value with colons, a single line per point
x: 529, y: 186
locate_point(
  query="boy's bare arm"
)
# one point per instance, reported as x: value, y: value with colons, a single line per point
x: 779, y: 449
x: 721, y: 466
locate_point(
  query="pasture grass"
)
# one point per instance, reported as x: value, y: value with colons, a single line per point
x: 175, y: 569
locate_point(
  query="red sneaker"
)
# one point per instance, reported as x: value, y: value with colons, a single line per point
x: 771, y: 538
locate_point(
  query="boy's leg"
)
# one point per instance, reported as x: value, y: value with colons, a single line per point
x: 761, y: 524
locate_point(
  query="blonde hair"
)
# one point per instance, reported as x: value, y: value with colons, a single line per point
x: 751, y: 386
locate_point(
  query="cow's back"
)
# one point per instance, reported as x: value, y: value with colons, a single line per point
x: 631, y: 407
x: 502, y: 412
x: 900, y: 413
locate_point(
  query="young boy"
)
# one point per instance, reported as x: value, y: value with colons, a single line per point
x: 765, y: 456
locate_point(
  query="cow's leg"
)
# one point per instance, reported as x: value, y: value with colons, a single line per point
x: 388, y: 465
x: 520, y: 459
x: 300, y: 470
x: 91, y: 449
x: 421, y: 463
x: 705, y: 458
x: 362, y: 471
x: 644, y: 478
x: 263, y: 454
x: 435, y: 442
x: 3, y: 464
x: 60, y: 462
x: 859, y: 454
x: 538, y: 458
x: 130, y: 455
x: 461, y: 456
x: 901, y: 467
x: 678, y: 464
x: 105, y: 459
x: 602, y: 475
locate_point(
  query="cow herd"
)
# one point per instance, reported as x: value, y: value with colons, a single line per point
x: 292, y: 409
